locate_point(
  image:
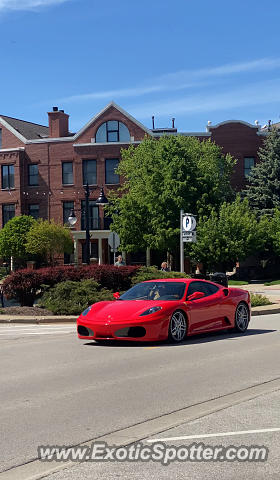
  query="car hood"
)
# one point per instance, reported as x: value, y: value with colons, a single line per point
x: 122, y: 309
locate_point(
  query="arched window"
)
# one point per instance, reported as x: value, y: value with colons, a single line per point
x: 112, y: 131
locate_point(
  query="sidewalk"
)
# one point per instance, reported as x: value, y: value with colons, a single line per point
x: 272, y: 292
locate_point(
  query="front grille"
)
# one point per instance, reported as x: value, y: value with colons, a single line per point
x: 133, y: 332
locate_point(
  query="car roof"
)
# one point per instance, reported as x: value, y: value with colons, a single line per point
x: 183, y: 280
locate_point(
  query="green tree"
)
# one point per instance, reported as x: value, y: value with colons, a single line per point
x: 263, y: 191
x: 160, y: 178
x: 227, y: 236
x: 272, y: 230
x: 13, y: 237
x: 49, y: 239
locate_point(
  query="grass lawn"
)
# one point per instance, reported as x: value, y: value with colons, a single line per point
x: 275, y: 282
x: 238, y: 282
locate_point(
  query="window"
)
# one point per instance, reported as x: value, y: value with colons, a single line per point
x: 33, y: 210
x: 107, y: 223
x: 249, y: 163
x: 67, y: 173
x: 8, y: 212
x: 111, y: 177
x: 68, y: 258
x: 112, y: 131
x: 89, y: 172
x: 8, y: 176
x: 67, y: 207
x: 156, y: 291
x: 33, y: 174
x: 93, y: 251
x: 204, y: 287
x: 0, y: 137
x: 94, y: 222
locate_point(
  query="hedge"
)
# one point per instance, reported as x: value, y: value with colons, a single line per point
x: 152, y: 273
x: 25, y: 285
x: 71, y: 298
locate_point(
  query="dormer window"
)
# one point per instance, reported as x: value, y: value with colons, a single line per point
x: 112, y: 131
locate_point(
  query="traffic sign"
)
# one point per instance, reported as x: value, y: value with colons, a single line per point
x: 189, y: 223
x: 114, y: 241
x: 189, y: 236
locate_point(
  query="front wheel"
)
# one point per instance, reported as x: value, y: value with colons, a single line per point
x: 242, y: 318
x: 177, y: 327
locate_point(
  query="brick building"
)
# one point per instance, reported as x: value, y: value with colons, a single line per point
x: 43, y: 169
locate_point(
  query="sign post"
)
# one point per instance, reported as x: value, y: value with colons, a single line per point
x: 181, y: 242
x: 187, y: 233
x: 114, y: 242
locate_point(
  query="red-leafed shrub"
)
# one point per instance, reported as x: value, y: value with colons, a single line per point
x: 26, y: 285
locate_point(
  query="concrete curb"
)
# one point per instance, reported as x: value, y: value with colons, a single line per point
x: 37, y: 320
x: 265, y: 310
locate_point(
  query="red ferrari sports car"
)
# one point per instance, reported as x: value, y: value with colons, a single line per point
x: 166, y: 308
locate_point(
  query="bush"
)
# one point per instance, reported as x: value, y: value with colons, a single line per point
x: 71, y: 298
x: 258, y: 300
x: 111, y: 277
x: 26, y: 285
x: 152, y: 273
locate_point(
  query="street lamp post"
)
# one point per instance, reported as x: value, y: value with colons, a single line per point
x: 72, y: 219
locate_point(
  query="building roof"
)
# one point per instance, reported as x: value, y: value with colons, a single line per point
x: 28, y: 130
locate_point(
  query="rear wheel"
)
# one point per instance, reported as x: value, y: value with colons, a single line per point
x: 242, y: 317
x: 177, y: 327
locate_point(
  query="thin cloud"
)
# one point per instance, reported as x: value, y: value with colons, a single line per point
x: 123, y: 92
x: 180, y: 80
x: 260, y: 64
x: 251, y: 95
x: 27, y: 4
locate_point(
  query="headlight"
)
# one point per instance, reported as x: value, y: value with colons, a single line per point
x: 150, y: 310
x: 85, y: 312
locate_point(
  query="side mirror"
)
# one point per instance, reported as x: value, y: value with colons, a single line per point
x: 116, y: 295
x: 196, y: 296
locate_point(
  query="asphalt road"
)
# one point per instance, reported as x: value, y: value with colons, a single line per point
x: 57, y: 390
x: 227, y: 428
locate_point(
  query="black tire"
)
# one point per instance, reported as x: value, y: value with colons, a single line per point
x: 177, y: 327
x: 241, y: 318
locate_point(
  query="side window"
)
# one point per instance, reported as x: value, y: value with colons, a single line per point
x: 204, y: 287
x: 194, y: 287
x: 211, y: 288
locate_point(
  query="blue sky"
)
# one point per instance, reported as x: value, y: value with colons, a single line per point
x: 195, y: 60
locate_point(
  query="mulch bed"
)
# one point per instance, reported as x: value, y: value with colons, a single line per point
x: 28, y: 311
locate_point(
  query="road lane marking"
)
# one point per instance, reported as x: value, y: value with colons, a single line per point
x: 212, y: 435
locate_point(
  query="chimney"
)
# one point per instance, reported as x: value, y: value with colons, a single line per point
x: 58, y: 123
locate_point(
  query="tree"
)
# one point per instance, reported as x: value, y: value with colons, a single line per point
x: 48, y: 239
x: 13, y: 237
x: 228, y: 236
x: 263, y: 191
x: 160, y: 178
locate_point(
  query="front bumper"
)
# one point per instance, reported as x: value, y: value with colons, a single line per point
x: 136, y: 330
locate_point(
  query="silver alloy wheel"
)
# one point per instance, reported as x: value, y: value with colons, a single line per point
x: 241, y: 317
x: 178, y: 327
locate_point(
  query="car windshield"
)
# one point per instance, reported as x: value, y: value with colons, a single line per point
x: 155, y: 291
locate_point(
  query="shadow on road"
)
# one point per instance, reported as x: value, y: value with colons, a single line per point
x: 192, y: 340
